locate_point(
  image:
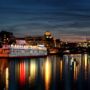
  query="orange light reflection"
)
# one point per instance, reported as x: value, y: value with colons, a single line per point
x: 7, y: 78
x: 61, y: 66
x: 22, y: 73
x: 47, y: 74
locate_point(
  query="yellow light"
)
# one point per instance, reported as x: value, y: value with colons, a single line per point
x: 86, y: 66
x: 47, y: 33
x: 7, y: 78
x: 47, y: 74
x: 85, y: 61
x: 75, y: 71
x: 33, y: 70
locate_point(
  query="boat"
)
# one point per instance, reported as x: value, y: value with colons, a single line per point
x: 22, y: 51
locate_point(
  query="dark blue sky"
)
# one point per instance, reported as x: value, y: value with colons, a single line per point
x: 37, y: 16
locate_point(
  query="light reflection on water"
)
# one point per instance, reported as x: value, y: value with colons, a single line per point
x: 70, y: 72
x: 7, y: 78
x: 33, y: 71
x: 47, y: 73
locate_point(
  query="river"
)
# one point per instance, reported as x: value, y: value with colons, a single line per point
x: 69, y: 72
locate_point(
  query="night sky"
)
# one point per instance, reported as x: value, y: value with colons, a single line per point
x: 34, y: 17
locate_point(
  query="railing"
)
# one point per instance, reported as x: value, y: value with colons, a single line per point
x: 22, y: 51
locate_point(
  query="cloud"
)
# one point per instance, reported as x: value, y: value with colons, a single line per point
x: 37, y: 16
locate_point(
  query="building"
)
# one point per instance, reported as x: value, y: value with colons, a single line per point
x: 7, y: 38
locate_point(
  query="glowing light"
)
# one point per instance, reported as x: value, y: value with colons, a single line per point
x: 22, y: 73
x: 86, y: 66
x: 47, y: 74
x: 85, y: 61
x: 33, y: 70
x: 75, y: 75
x: 7, y: 78
x: 61, y: 66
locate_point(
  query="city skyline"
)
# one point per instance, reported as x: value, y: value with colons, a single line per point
x: 34, y: 17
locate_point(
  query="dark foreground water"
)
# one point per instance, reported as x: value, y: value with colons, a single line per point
x: 70, y: 72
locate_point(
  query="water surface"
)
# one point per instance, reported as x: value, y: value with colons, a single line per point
x: 70, y: 72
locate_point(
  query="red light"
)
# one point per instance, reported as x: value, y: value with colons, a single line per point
x: 22, y: 73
